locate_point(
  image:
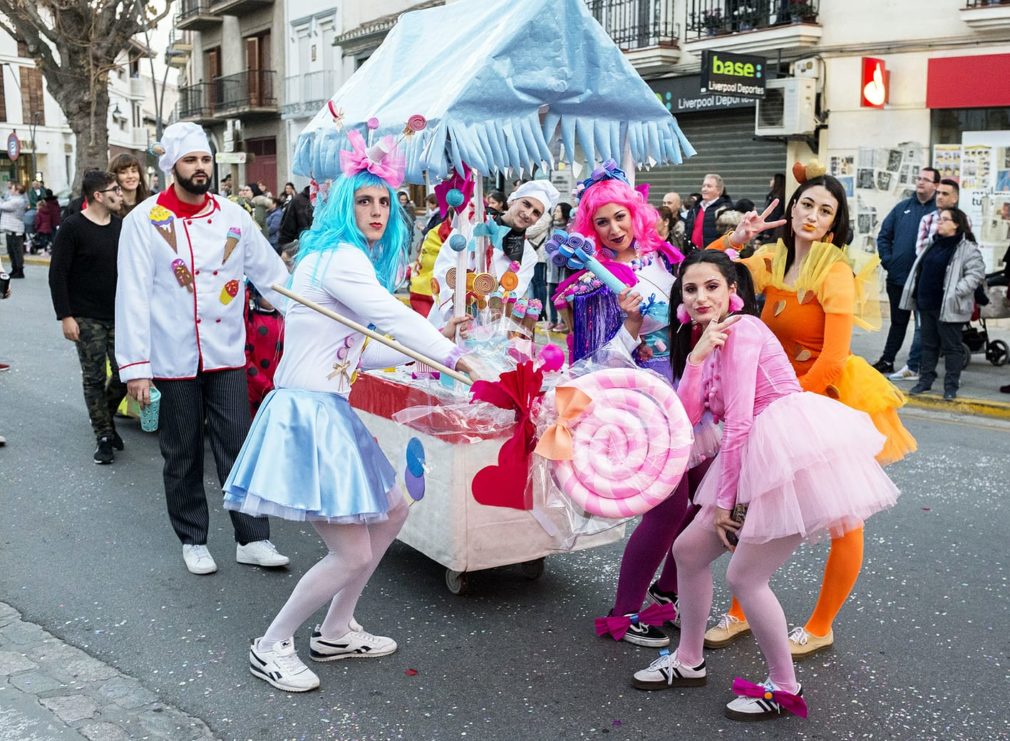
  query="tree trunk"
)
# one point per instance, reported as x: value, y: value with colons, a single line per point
x: 84, y: 98
x: 92, y: 134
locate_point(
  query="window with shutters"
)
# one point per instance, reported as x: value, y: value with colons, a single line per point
x: 33, y: 109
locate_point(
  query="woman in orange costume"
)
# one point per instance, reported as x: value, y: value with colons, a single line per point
x: 812, y: 301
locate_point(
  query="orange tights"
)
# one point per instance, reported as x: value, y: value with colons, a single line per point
x: 845, y: 559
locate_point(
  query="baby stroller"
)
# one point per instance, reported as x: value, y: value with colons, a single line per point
x: 991, y: 302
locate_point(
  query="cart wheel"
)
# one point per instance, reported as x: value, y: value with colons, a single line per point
x: 457, y: 581
x: 534, y: 569
x: 997, y: 352
x: 967, y: 355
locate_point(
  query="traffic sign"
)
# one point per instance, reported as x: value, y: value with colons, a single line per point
x: 13, y: 146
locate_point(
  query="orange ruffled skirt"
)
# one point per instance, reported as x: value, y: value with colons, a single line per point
x: 862, y: 387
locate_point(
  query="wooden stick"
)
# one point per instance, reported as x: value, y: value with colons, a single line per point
x: 456, y: 375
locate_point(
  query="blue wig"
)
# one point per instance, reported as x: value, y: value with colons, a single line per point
x: 334, y: 223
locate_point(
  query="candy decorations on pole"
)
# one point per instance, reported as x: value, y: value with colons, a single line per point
x: 578, y: 253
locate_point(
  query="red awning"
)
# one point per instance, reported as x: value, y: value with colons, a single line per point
x: 981, y: 81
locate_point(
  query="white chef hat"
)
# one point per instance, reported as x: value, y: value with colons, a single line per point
x: 542, y: 190
x: 177, y: 141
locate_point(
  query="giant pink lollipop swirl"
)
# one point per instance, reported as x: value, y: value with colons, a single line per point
x: 621, y: 447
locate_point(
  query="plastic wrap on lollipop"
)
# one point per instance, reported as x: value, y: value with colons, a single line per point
x: 614, y: 443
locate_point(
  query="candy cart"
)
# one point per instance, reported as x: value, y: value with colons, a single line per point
x: 521, y: 85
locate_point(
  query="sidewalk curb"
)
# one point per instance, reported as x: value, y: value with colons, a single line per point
x: 976, y: 407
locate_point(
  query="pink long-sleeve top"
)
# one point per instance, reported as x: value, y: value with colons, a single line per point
x: 736, y: 383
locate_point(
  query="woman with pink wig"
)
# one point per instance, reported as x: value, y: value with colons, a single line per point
x: 622, y: 225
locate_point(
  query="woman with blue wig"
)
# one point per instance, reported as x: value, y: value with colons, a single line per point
x: 308, y: 456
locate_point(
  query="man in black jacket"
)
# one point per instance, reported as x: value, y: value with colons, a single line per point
x: 297, y: 217
x: 700, y: 224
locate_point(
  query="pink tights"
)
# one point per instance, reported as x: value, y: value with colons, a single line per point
x: 339, y: 578
x: 750, y: 569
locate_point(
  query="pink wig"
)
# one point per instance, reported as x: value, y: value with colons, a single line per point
x: 643, y: 216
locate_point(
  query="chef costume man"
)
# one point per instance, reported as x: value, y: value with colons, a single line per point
x: 526, y: 204
x: 183, y: 257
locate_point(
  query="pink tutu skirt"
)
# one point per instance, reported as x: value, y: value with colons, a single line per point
x: 809, y: 468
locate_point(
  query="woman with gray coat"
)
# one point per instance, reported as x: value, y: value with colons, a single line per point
x: 941, y: 287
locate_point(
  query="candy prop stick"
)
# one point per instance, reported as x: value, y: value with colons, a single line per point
x: 621, y: 443
x: 577, y: 253
x: 420, y: 357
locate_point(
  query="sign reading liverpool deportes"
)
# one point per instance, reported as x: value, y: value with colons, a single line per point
x: 733, y: 74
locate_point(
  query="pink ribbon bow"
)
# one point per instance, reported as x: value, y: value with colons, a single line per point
x: 617, y: 625
x: 382, y: 159
x: 793, y: 703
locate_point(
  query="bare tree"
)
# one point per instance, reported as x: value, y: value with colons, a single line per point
x: 75, y: 43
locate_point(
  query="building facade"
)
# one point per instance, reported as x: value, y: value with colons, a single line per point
x: 232, y: 84
x: 942, y: 69
x: 48, y: 145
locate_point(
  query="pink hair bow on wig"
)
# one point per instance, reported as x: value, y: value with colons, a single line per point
x: 383, y: 159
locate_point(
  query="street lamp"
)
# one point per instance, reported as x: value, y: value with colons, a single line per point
x: 33, y: 127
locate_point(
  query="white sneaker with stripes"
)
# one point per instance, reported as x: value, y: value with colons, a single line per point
x: 667, y: 671
x: 353, y: 644
x: 757, y: 708
x: 281, y: 667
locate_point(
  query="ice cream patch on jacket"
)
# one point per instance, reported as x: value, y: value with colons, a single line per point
x: 234, y: 235
x: 164, y: 221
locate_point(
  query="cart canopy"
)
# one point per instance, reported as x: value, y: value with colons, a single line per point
x: 496, y: 81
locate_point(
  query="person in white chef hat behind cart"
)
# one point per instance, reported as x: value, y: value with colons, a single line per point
x: 183, y: 255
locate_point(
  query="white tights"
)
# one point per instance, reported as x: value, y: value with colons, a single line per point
x: 339, y: 577
x: 750, y: 569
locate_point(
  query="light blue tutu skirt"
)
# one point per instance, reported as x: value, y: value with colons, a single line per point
x: 309, y: 457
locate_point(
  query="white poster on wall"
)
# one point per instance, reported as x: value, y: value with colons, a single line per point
x: 983, y: 158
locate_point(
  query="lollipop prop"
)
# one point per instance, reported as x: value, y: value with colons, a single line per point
x: 578, y: 253
x: 420, y: 357
x: 621, y: 443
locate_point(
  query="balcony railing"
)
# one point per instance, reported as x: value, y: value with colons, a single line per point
x: 196, y: 15
x: 637, y: 24
x: 306, y: 94
x: 196, y: 102
x: 251, y: 91
x: 984, y: 3
x: 714, y: 17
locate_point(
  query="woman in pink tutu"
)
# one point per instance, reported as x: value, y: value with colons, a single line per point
x: 793, y: 466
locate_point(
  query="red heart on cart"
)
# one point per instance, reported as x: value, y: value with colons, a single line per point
x: 508, y: 484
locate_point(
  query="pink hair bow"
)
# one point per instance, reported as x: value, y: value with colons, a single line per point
x: 617, y: 625
x: 382, y: 159
x: 793, y: 703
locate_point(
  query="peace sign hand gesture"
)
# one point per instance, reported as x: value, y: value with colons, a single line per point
x: 753, y: 224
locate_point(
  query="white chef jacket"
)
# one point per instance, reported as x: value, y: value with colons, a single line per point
x: 442, y: 312
x: 164, y: 331
x: 321, y: 354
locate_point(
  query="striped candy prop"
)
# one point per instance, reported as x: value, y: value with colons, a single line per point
x: 621, y: 442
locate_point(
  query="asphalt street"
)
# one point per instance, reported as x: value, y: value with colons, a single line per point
x: 922, y: 648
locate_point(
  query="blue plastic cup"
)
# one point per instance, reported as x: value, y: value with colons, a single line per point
x: 149, y: 414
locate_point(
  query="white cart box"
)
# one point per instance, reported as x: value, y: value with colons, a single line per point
x: 448, y: 525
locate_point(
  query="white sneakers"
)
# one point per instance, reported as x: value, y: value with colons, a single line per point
x: 280, y: 666
x: 747, y: 708
x: 357, y: 643
x: 258, y: 553
x: 668, y: 671
x: 905, y: 374
x: 198, y: 559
